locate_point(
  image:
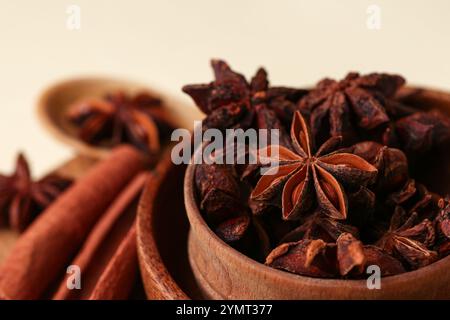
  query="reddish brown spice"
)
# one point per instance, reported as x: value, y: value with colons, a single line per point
x: 120, y: 118
x: 22, y: 199
x: 334, y: 106
x: 103, y: 248
x: 42, y: 253
x: 232, y: 102
x: 302, y: 173
x: 421, y: 132
x: 326, y: 212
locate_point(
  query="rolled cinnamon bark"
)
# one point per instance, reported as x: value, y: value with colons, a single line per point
x: 103, y: 248
x: 45, y: 249
x: 3, y: 296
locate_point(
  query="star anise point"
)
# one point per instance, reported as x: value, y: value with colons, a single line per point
x: 297, y: 171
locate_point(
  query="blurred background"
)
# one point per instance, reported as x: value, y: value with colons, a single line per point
x: 169, y: 43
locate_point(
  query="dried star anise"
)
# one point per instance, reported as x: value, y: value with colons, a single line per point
x: 422, y: 131
x: 234, y: 229
x: 297, y: 173
x: 246, y: 235
x: 388, y: 264
x: 219, y: 195
x: 319, y: 226
x: 361, y: 206
x: 391, y: 163
x: 333, y: 105
x: 305, y: 257
x: 350, y: 254
x: 232, y: 102
x: 314, y: 209
x: 218, y: 190
x: 415, y: 197
x: 444, y: 217
x: 120, y: 118
x: 346, y: 257
x: 22, y: 199
x: 443, y: 227
x: 408, y: 240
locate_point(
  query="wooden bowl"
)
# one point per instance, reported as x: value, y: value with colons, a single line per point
x: 162, y: 231
x: 224, y: 273
x: 54, y: 101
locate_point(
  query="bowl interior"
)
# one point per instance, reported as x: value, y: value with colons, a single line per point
x: 162, y: 232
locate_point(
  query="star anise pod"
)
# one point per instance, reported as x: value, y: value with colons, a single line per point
x: 333, y: 105
x: 415, y: 197
x: 388, y: 264
x: 230, y: 101
x: 346, y: 257
x: 120, y: 118
x: 422, y: 131
x: 219, y: 194
x: 343, y: 256
x: 350, y: 255
x: 408, y: 240
x: 361, y: 207
x: 219, y: 191
x: 220, y: 201
x: 22, y: 199
x: 319, y: 226
x: 444, y: 249
x: 443, y: 218
x: 391, y: 163
x: 443, y: 227
x: 245, y: 234
x: 296, y: 173
x: 305, y: 257
x: 234, y: 229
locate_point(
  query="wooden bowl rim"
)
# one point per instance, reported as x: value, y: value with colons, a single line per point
x: 60, y: 133
x: 151, y: 263
x: 205, y: 232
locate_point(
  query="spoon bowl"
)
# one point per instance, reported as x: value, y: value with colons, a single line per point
x: 54, y: 102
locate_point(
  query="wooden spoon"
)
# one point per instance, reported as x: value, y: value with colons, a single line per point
x: 55, y: 100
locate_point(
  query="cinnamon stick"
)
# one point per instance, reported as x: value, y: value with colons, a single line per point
x: 103, y: 246
x: 45, y: 249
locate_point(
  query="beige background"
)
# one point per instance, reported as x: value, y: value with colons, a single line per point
x: 169, y: 43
